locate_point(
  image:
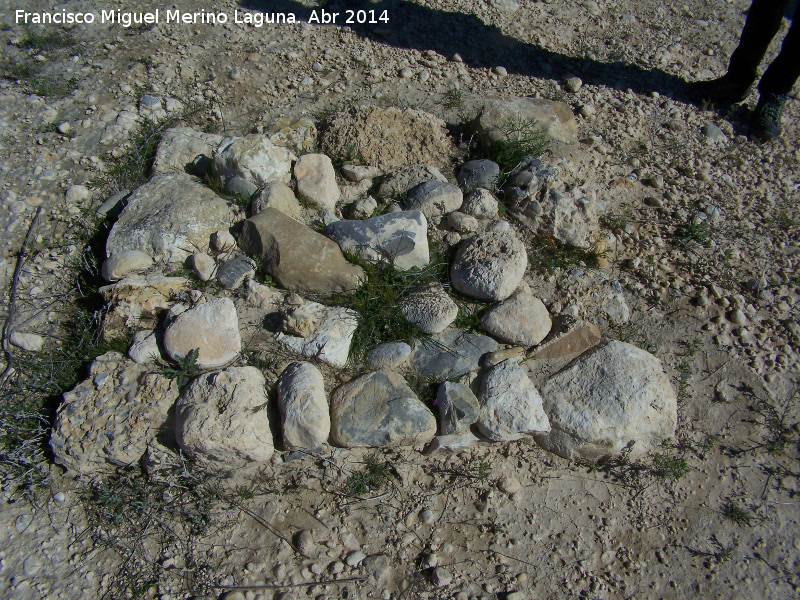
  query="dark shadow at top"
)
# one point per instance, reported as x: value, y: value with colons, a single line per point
x: 480, y: 45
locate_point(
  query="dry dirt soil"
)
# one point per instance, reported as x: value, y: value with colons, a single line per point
x: 713, y: 514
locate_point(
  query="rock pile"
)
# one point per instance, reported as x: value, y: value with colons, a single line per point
x: 597, y: 405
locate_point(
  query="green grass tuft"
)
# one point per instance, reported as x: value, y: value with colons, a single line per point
x: 522, y: 138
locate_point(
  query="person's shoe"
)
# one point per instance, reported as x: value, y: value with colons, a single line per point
x: 767, y: 116
x: 722, y: 89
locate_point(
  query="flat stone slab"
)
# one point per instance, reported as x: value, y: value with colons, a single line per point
x: 450, y: 354
x: 400, y: 239
x: 169, y: 218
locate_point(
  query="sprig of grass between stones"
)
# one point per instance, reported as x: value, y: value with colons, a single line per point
x: 546, y: 252
x: 29, y: 399
x: 377, y: 301
x: 522, y: 138
x: 185, y: 369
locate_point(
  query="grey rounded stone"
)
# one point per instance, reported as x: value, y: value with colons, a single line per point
x: 379, y: 409
x: 489, y: 266
x: 481, y: 173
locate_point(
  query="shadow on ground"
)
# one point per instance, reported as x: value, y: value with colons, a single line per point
x: 421, y: 28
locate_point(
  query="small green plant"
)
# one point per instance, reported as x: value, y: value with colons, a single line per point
x: 696, y: 231
x: 52, y: 39
x: 371, y: 478
x: 185, y: 369
x: 468, y: 318
x: 616, y: 221
x: 733, y: 512
x: 379, y: 298
x: 522, y: 138
x: 546, y: 252
x: 352, y: 155
x: 454, y: 99
x: 670, y: 468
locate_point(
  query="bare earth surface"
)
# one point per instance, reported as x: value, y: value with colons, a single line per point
x: 505, y: 520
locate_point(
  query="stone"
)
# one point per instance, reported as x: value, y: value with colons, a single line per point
x: 555, y: 119
x: 568, y: 336
x: 354, y: 558
x: 429, y: 308
x: 379, y: 409
x: 522, y: 319
x: 462, y: 223
x: 379, y: 566
x: 358, y: 173
x: 434, y: 198
x: 481, y: 204
x: 297, y: 134
x: 482, y: 173
x: 575, y: 221
x: 388, y: 137
x: 573, y: 84
x: 169, y: 218
x: 441, y: 577
x: 262, y: 297
x: 212, y: 327
x: 76, y: 194
x: 301, y: 320
x: 489, y: 266
x: 108, y: 420
x: 400, y: 180
x: 185, y: 150
x: 713, y: 134
x: 399, y: 239
x: 450, y: 354
x: 363, y: 208
x: 316, y: 180
x: 254, y: 158
x: 458, y: 408
x: 221, y: 419
x: 114, y: 205
x: 125, y: 263
x: 279, y: 196
x: 511, y: 406
x: 298, y: 257
x: 304, y: 407
x: 202, y: 265
x: 136, y: 302
x: 29, y: 342
x: 233, y: 273
x: 330, y: 342
x: 610, y: 398
x: 451, y: 443
x: 240, y: 187
x: 491, y: 359
x: 223, y: 240
x: 390, y: 356
x: 144, y: 348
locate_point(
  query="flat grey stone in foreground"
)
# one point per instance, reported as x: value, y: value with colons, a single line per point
x: 450, y: 354
x: 607, y: 398
x: 169, y: 218
x: 379, y: 409
x: 435, y: 198
x: 233, y: 273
